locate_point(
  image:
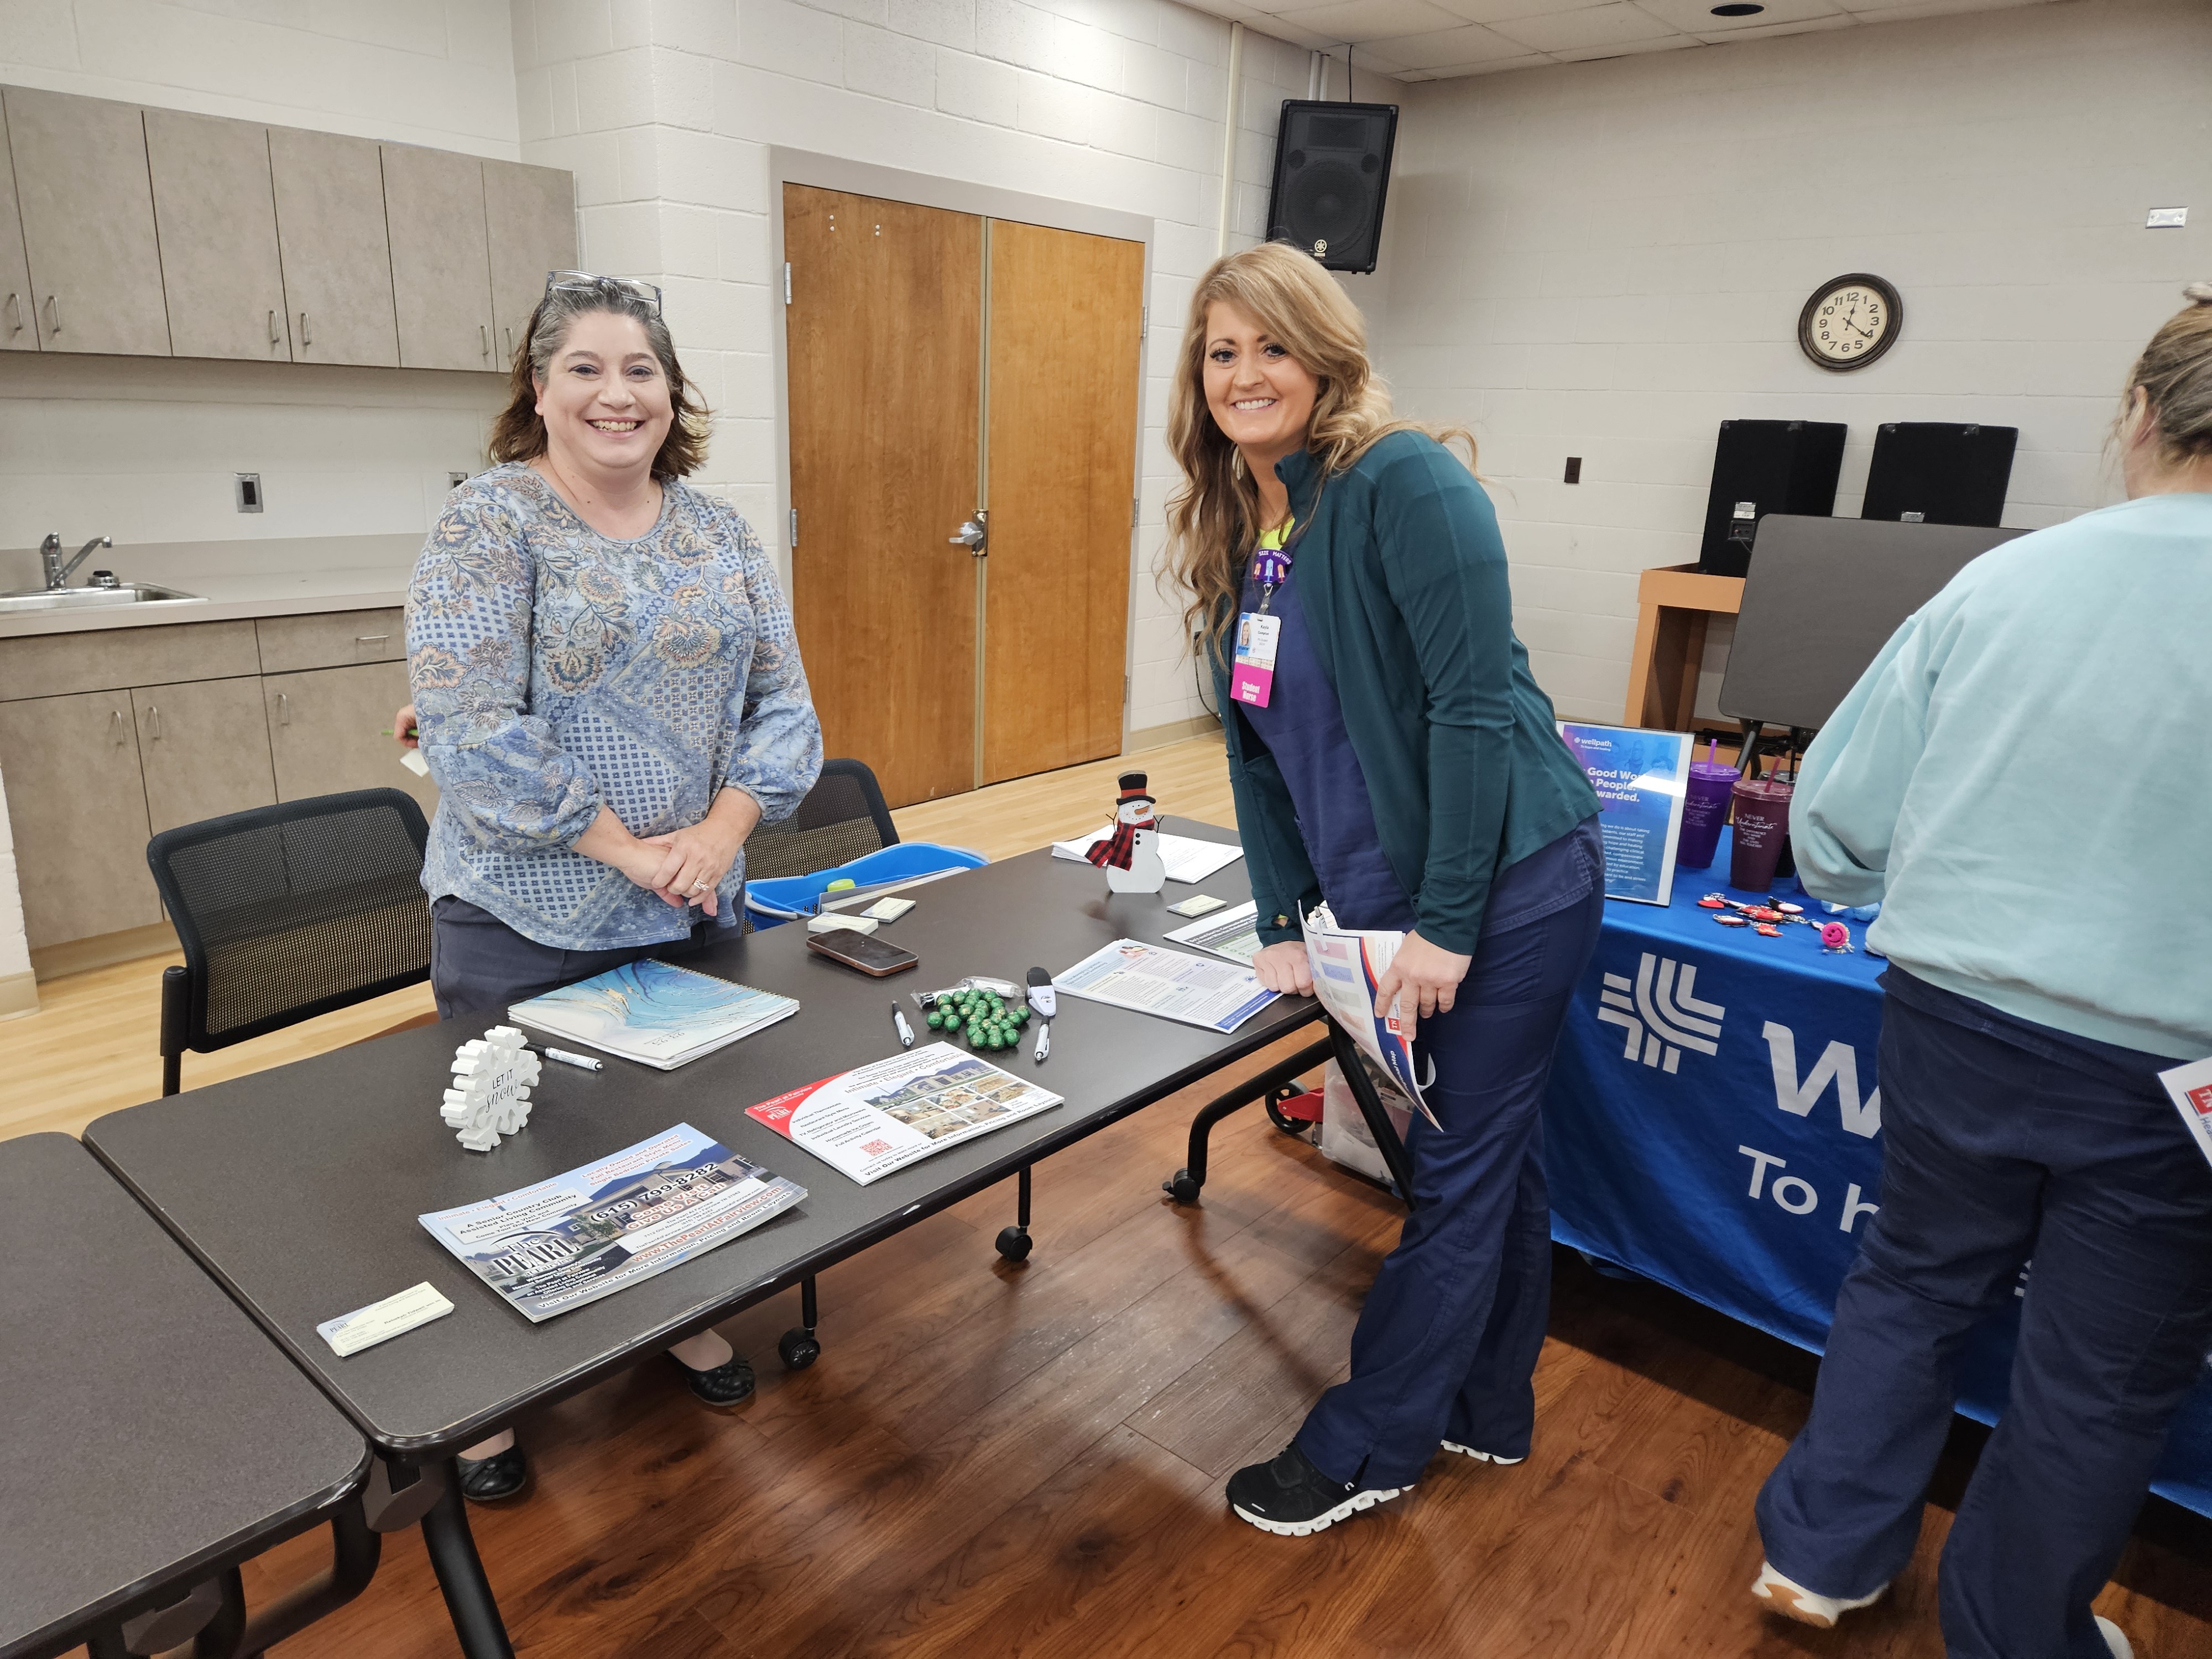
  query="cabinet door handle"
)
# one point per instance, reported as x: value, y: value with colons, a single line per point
x: 370, y: 639
x: 275, y: 338
x: 15, y: 313
x: 510, y: 341
x: 154, y: 722
x: 306, y: 334
x: 53, y: 313
x: 284, y: 709
x: 115, y: 724
x: 483, y: 339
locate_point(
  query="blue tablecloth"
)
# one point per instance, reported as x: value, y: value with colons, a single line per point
x: 1714, y: 1124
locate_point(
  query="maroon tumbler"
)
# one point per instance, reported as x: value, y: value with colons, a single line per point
x: 1762, y: 820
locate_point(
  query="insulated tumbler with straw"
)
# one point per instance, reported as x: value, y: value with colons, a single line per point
x: 1762, y: 820
x: 1705, y: 809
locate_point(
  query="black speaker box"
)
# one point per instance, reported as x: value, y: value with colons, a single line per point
x: 1761, y: 467
x: 1332, y: 172
x: 1935, y: 472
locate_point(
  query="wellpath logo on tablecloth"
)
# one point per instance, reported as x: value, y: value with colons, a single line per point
x: 1661, y: 1013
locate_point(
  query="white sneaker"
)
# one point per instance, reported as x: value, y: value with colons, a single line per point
x: 2115, y: 1638
x: 1793, y: 1600
x: 1482, y: 1456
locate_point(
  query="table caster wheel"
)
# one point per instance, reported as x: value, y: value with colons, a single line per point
x: 1014, y: 1243
x: 1183, y: 1188
x: 797, y: 1350
x: 1289, y: 1125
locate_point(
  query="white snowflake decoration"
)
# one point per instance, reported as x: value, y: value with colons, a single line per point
x: 491, y: 1096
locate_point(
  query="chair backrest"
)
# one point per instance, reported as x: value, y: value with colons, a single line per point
x: 842, y: 818
x: 289, y: 911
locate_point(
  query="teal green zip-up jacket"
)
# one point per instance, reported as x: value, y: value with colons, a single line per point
x: 1402, y: 580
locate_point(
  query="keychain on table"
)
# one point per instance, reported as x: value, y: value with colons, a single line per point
x: 1259, y: 633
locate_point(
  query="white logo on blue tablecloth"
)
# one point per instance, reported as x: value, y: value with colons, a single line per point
x: 1661, y: 1013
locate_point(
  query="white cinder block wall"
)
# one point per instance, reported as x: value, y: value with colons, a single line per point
x: 666, y: 116
x: 1607, y: 260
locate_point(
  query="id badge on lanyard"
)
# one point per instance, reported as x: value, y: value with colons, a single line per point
x: 1252, y: 676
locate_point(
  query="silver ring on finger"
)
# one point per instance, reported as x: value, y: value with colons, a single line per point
x: 699, y: 885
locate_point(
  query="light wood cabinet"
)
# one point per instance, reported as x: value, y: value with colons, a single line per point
x: 204, y: 747
x: 108, y: 658
x: 530, y: 219
x: 214, y: 212
x: 78, y: 804
x: 337, y: 259
x: 17, y: 332
x: 332, y: 639
x: 326, y: 730
x: 87, y: 219
x: 433, y: 207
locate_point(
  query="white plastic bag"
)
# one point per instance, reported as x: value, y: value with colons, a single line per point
x: 1344, y: 1136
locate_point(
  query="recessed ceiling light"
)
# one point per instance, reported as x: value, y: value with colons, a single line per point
x: 1738, y: 8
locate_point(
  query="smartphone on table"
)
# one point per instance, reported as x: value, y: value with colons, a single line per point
x: 871, y: 955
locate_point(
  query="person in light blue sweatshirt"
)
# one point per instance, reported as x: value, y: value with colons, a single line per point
x: 2046, y: 899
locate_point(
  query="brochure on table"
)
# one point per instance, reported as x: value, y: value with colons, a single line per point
x: 579, y: 1236
x: 1187, y: 858
x: 883, y: 1117
x: 1234, y: 934
x: 653, y: 1012
x: 1639, y: 777
x: 2190, y: 1086
x: 1153, y: 980
x: 1348, y: 964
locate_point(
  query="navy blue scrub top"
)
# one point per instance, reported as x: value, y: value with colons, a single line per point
x: 1302, y: 728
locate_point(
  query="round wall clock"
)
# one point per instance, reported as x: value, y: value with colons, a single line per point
x: 1849, y: 321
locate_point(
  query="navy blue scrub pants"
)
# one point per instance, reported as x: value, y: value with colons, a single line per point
x: 1997, y: 1147
x: 477, y: 960
x: 1448, y: 1337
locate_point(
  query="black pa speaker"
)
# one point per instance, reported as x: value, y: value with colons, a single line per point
x: 1332, y: 171
x: 1761, y: 467
x: 1935, y: 472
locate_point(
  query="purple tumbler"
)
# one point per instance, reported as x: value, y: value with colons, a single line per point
x: 1705, y: 809
x: 1762, y: 823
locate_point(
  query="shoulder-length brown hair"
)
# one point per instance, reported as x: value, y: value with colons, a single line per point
x: 1213, y: 514
x: 518, y: 433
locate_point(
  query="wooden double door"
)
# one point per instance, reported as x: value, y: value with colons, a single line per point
x: 947, y: 369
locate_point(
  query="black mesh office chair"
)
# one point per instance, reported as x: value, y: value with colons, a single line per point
x: 843, y: 819
x: 289, y: 911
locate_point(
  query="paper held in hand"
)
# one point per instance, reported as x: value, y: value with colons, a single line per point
x: 2190, y: 1085
x: 1347, y: 964
x: 1187, y: 858
x: 879, y: 1118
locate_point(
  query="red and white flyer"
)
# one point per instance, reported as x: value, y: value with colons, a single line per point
x: 867, y: 1123
x: 2190, y: 1085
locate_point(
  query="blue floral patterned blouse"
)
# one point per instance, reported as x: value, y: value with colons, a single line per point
x: 557, y: 670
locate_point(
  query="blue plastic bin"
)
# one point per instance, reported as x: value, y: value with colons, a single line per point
x: 786, y: 898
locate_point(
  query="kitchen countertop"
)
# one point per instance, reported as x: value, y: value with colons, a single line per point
x: 232, y: 580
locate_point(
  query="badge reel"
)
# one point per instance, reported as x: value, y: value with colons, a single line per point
x: 1259, y: 633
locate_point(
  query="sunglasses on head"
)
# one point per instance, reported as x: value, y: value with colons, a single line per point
x: 584, y: 282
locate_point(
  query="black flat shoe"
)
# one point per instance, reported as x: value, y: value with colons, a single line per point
x: 1291, y: 1497
x: 730, y: 1384
x: 496, y: 1479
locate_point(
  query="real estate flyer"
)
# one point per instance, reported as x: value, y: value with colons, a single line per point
x: 1640, y: 777
x: 1152, y: 980
x: 1348, y: 964
x: 576, y: 1237
x: 653, y: 1012
x: 883, y: 1117
x: 2190, y: 1088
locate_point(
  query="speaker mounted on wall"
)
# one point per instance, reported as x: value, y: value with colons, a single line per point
x: 1332, y: 172
x: 1940, y: 472
x: 1761, y: 467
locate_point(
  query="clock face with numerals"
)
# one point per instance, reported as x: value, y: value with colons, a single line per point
x: 1850, y: 322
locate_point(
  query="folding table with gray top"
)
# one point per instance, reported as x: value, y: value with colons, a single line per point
x: 298, y: 1189
x: 150, y: 1437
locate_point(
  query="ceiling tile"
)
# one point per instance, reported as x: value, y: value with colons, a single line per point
x: 1873, y: 14
x: 1458, y: 71
x: 1696, y: 17
x: 1496, y: 11
x: 1370, y: 20
x: 1470, y: 43
x: 1716, y: 37
x: 1624, y: 48
x: 1591, y: 25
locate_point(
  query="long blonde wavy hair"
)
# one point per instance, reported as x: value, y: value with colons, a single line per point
x: 1213, y: 514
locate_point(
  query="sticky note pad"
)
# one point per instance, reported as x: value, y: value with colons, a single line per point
x: 1197, y: 905
x: 367, y: 1327
x: 889, y: 910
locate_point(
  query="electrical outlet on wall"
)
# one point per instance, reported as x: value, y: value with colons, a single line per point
x: 455, y: 480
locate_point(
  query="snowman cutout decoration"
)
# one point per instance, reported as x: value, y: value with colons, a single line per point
x: 493, y: 1075
x: 1130, y: 856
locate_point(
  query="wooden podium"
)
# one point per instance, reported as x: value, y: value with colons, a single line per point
x: 1673, y: 602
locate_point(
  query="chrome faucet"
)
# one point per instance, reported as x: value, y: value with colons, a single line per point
x: 50, y: 555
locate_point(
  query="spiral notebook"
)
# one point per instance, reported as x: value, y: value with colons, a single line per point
x: 653, y: 1012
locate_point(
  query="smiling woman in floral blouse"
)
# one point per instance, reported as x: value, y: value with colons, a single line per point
x: 607, y: 691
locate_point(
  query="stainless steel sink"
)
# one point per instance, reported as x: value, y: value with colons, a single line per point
x: 89, y: 599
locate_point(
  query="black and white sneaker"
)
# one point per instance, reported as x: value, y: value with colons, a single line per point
x: 1483, y: 1457
x: 1292, y: 1498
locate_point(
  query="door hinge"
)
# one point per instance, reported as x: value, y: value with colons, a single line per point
x: 1125, y: 690
x: 1136, y: 506
x: 787, y: 282
x: 794, y: 527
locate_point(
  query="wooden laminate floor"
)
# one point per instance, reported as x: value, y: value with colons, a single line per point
x: 998, y: 1460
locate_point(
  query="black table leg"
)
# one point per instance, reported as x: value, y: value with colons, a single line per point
x: 1014, y: 1242
x: 1353, y: 1066
x: 461, y: 1575
x: 1185, y: 1183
